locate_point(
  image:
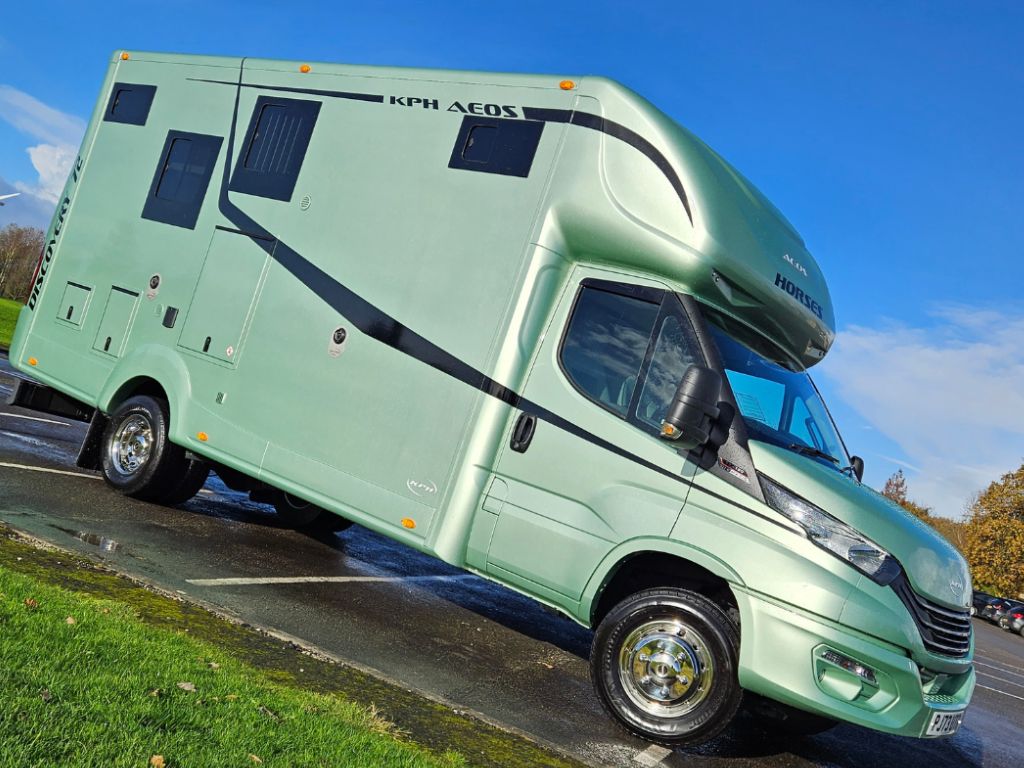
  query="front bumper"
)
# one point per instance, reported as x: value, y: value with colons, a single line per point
x: 784, y: 655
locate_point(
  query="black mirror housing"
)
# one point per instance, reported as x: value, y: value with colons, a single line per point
x: 692, y: 414
x: 858, y: 467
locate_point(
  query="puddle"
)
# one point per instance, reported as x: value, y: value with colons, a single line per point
x: 104, y: 543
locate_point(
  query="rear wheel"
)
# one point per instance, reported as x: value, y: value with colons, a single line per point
x: 191, y: 482
x: 137, y: 457
x: 304, y: 515
x: 664, y: 664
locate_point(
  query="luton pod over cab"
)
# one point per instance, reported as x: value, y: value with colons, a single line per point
x: 526, y: 324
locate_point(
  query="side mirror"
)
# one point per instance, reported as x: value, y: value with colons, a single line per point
x: 692, y: 414
x: 858, y: 467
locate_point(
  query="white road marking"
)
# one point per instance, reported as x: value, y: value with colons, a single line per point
x: 996, y: 690
x: 35, y: 418
x: 999, y: 669
x: 1005, y: 682
x: 247, y: 581
x: 47, y: 470
x: 652, y: 756
x: 997, y: 661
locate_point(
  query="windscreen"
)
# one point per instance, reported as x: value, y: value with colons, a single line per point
x: 780, y: 405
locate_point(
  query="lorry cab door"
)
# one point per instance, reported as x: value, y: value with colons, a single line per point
x: 582, y: 468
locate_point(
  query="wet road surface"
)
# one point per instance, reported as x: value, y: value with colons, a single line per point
x: 382, y: 606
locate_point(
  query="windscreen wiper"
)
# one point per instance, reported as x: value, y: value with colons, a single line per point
x: 806, y: 450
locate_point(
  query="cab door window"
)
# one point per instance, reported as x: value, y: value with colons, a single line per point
x: 626, y: 348
x: 605, y: 345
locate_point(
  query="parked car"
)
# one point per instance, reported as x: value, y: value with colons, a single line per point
x: 995, y: 610
x: 1013, y: 619
x: 979, y: 600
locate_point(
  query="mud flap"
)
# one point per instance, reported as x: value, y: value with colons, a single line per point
x: 89, y: 457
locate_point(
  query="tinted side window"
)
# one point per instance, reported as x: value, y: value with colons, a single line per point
x: 274, y: 147
x: 605, y: 345
x: 182, y: 178
x: 675, y: 350
x: 129, y: 103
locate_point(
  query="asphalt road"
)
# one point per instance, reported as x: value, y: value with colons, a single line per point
x: 364, y: 598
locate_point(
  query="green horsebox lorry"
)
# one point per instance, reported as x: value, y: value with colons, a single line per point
x: 526, y: 324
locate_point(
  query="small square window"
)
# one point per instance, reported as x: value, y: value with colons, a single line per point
x: 496, y: 145
x: 182, y: 178
x: 129, y: 103
x: 274, y: 147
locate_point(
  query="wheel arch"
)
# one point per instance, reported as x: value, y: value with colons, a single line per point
x: 151, y: 370
x: 645, y: 563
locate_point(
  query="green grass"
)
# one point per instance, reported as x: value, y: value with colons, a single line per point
x: 103, y: 690
x: 8, y: 317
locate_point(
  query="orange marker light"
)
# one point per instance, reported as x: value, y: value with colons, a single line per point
x: 567, y: 85
x: 203, y: 437
x: 408, y: 522
x: 124, y: 56
x: 33, y: 361
x: 304, y: 68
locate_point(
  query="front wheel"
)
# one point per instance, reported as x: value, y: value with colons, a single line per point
x: 664, y: 663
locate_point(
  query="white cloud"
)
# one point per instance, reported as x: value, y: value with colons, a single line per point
x: 951, y: 396
x: 58, y: 135
x: 37, y: 120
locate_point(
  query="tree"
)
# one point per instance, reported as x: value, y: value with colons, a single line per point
x: 19, y: 254
x: 994, y: 541
x: 895, y: 489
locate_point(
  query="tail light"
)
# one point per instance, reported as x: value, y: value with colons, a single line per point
x: 35, y: 275
x: 1018, y: 615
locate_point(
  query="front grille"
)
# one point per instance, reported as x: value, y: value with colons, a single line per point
x: 945, y: 631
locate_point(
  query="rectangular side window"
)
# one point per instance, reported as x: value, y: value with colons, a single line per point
x: 274, y: 147
x: 182, y: 177
x: 129, y: 103
x: 496, y: 145
x: 605, y: 346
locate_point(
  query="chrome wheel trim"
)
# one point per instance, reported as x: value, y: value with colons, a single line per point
x: 665, y: 668
x: 131, y: 446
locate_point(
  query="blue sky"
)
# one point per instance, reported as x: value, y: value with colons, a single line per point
x: 889, y: 133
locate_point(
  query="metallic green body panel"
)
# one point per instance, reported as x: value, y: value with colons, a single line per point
x: 473, y: 275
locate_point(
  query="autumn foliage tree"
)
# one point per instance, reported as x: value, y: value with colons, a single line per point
x: 994, y: 542
x: 19, y: 253
x: 895, y: 489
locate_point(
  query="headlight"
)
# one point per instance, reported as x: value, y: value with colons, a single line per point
x: 832, y: 535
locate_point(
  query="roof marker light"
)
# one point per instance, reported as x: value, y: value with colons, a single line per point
x: 304, y: 68
x: 567, y: 85
x: 33, y: 361
x: 124, y: 56
x: 408, y: 522
x: 202, y: 436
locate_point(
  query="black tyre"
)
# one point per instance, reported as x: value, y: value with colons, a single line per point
x: 138, y: 459
x: 191, y: 482
x: 304, y: 515
x: 664, y: 663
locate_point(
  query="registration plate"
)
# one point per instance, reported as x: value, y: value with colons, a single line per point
x: 944, y: 723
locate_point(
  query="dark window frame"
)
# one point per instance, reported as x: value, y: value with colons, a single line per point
x: 666, y: 308
x: 136, y: 110
x: 182, y: 213
x: 513, y: 150
x: 275, y: 186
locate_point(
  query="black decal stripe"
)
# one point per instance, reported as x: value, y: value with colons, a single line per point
x: 543, y: 114
x: 617, y: 131
x: 374, y: 97
x: 379, y: 325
